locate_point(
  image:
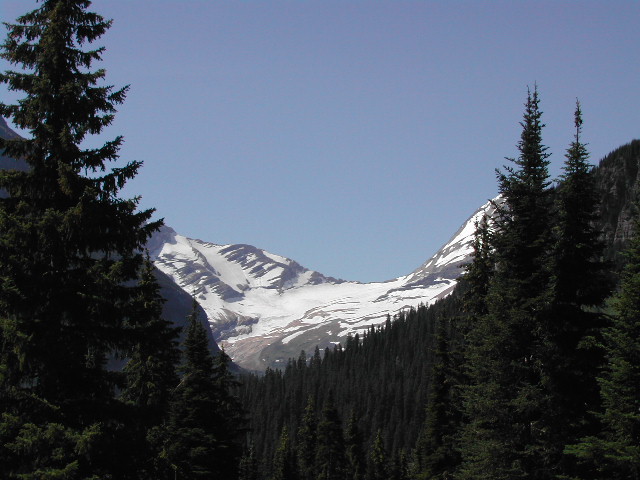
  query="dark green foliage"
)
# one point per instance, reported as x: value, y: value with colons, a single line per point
x: 330, y: 449
x: 614, y: 453
x: 579, y: 273
x: 150, y: 370
x: 150, y: 376
x: 70, y: 254
x: 506, y: 401
x: 380, y: 376
x: 478, y: 273
x: 578, y: 284
x: 229, y: 410
x: 378, y: 465
x: 355, y: 462
x: 307, y: 441
x: 532, y: 356
x: 191, y: 444
x: 249, y: 468
x: 436, y: 453
x: 284, y: 460
x: 201, y: 436
x: 399, y: 468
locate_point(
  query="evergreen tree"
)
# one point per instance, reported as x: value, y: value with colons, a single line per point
x: 478, y: 273
x: 579, y: 273
x: 436, y: 454
x: 150, y: 371
x: 249, y: 468
x: 505, y: 434
x: 195, y: 446
x: 232, y: 417
x: 330, y: 453
x: 356, y: 464
x: 150, y: 375
x: 306, y: 442
x: 579, y: 283
x: 615, y: 452
x: 399, y: 469
x: 284, y: 460
x: 70, y: 252
x: 378, y: 460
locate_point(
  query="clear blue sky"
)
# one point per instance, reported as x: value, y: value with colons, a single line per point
x: 353, y: 136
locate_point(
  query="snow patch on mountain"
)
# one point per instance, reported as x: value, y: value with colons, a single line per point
x: 265, y: 308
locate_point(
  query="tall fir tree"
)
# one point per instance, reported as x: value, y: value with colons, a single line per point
x: 249, y: 468
x: 579, y: 283
x: 232, y: 424
x: 504, y: 437
x: 330, y: 451
x: 580, y: 275
x: 307, y: 442
x: 284, y: 459
x: 436, y: 450
x: 70, y: 251
x: 478, y: 273
x: 150, y: 375
x: 196, y: 444
x: 614, y: 453
x: 378, y: 464
x: 356, y: 463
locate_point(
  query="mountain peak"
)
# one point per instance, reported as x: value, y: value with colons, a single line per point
x: 265, y: 307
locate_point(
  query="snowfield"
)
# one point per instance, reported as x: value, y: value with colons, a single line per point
x: 264, y: 308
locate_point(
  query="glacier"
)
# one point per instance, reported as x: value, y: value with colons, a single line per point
x: 265, y: 308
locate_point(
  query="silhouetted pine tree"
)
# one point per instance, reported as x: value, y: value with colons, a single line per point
x: 378, y: 464
x: 69, y: 248
x: 356, y: 463
x: 579, y: 282
x: 196, y: 446
x: 436, y: 450
x: 615, y: 452
x: 284, y: 460
x: 307, y: 442
x: 478, y: 273
x: 249, y: 468
x: 150, y: 375
x: 504, y: 437
x: 399, y: 468
x: 232, y: 417
x: 330, y: 450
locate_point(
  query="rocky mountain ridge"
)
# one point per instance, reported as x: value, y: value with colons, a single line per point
x: 266, y: 308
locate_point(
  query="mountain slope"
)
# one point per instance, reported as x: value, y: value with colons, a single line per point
x: 178, y: 305
x: 266, y: 308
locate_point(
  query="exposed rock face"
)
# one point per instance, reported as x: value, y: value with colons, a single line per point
x: 266, y: 308
x: 617, y: 178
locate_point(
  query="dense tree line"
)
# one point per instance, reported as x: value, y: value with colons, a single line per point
x: 379, y: 381
x: 77, y: 294
x: 519, y: 374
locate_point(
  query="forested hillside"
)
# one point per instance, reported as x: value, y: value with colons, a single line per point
x: 92, y: 382
x: 381, y: 378
x: 404, y: 397
x: 530, y: 369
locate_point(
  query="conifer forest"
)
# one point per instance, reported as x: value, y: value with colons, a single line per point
x: 530, y: 369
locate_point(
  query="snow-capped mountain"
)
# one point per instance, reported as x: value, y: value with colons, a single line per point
x: 265, y: 308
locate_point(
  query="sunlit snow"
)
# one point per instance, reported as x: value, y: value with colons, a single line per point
x: 250, y: 295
